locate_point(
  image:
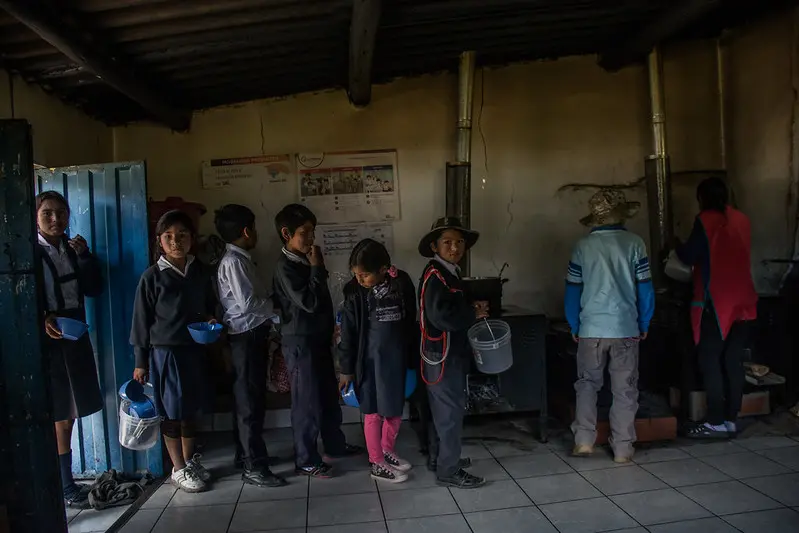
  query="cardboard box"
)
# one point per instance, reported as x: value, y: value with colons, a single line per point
x: 753, y: 404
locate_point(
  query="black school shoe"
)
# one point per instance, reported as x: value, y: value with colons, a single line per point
x: 464, y: 462
x: 461, y: 479
x: 321, y: 471
x: 263, y: 478
x: 350, y: 450
x: 77, y: 497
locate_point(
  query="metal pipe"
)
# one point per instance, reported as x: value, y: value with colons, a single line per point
x: 465, y: 100
x: 658, y: 175
x: 658, y: 107
x: 721, y: 79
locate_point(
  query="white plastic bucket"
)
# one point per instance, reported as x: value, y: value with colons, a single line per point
x: 490, y: 340
x: 137, y: 433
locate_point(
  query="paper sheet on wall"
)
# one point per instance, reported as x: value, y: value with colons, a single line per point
x: 222, y: 173
x: 337, y: 242
x: 346, y: 187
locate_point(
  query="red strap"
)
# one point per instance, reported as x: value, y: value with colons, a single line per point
x: 431, y: 271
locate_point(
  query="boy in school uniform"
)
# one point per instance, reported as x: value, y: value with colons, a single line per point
x: 307, y: 326
x: 248, y: 315
x: 445, y: 316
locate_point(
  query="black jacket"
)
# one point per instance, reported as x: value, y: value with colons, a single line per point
x: 87, y: 270
x: 302, y: 296
x: 445, y: 310
x: 354, y: 314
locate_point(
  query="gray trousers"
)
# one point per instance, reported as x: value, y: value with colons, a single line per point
x: 448, y: 406
x: 621, y: 356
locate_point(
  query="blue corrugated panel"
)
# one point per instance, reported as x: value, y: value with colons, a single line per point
x: 109, y: 208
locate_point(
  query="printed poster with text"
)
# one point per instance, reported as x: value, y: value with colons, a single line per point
x: 223, y: 173
x: 346, y: 187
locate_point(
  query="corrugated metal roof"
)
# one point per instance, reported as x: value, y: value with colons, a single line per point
x: 203, y: 53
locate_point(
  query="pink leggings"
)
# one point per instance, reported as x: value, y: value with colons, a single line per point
x: 381, y: 434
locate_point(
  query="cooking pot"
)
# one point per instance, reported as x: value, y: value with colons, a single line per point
x: 488, y: 289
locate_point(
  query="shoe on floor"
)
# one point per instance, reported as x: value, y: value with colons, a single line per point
x: 582, y: 450
x: 263, y: 478
x: 195, y: 464
x: 396, y: 462
x: 187, y: 480
x: 384, y: 472
x: 708, y: 431
x: 622, y: 459
x: 321, y: 471
x: 77, y: 497
x: 350, y: 450
x: 461, y: 479
x: 463, y: 462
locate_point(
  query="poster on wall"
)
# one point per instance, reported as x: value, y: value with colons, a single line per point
x: 347, y: 187
x: 223, y: 173
x: 337, y: 242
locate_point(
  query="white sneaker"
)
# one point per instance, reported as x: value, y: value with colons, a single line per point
x: 384, y: 472
x: 188, y: 481
x: 396, y: 462
x: 199, y: 469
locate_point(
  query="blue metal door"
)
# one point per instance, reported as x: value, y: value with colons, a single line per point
x: 109, y: 208
x: 29, y: 488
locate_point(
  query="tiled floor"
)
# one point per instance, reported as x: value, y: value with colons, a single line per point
x: 749, y: 485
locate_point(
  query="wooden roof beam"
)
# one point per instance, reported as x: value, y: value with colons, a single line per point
x: 92, y: 56
x: 363, y: 33
x: 663, y: 27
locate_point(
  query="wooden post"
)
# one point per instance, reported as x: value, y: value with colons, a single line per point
x: 363, y: 33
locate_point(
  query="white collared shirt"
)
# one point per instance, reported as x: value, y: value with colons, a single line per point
x: 296, y: 258
x: 455, y: 270
x: 164, y: 264
x: 246, y: 300
x: 63, y: 266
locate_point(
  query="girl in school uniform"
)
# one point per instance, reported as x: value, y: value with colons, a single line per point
x: 175, y: 292
x: 379, y: 342
x: 70, y: 273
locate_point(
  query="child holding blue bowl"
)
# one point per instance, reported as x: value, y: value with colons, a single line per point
x: 70, y: 273
x: 379, y: 343
x: 175, y: 292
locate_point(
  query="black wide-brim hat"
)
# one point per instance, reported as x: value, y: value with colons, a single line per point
x: 441, y: 225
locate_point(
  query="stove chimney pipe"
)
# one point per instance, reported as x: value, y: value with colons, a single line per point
x: 459, y: 173
x: 658, y: 174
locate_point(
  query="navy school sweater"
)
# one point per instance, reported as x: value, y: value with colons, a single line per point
x: 166, y: 303
x: 303, y: 298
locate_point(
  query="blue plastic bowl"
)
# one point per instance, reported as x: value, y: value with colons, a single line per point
x: 349, y: 397
x: 410, y: 383
x: 133, y: 391
x: 205, y: 333
x: 71, y: 330
x: 145, y: 409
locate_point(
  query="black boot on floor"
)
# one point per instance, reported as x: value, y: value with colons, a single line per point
x: 461, y: 480
x: 263, y: 478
